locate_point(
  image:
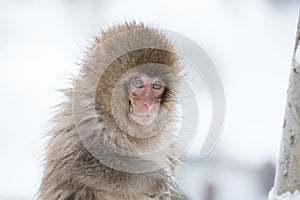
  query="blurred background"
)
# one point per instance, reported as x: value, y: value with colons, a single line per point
x: 251, y: 43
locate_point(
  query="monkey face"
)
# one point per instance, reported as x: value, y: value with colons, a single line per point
x: 144, y: 98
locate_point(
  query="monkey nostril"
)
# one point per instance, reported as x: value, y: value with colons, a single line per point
x: 148, y: 105
x: 152, y: 196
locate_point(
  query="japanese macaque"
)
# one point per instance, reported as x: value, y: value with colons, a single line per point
x: 113, y: 138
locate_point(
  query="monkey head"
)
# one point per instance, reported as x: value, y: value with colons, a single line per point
x: 136, y: 89
x: 136, y: 75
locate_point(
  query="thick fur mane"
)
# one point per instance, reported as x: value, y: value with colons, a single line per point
x: 81, y: 160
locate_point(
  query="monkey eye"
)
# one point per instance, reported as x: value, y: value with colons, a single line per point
x: 157, y: 85
x: 138, y: 83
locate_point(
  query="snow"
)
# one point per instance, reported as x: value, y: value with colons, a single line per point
x: 285, y: 196
x: 40, y: 42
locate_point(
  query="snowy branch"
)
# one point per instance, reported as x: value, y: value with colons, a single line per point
x: 287, y: 181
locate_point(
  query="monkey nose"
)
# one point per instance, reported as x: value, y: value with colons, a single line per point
x: 149, y: 105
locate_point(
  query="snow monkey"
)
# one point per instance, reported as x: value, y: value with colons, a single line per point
x: 112, y: 138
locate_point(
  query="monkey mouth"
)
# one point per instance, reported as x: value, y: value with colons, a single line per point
x: 141, y: 115
x: 142, y: 120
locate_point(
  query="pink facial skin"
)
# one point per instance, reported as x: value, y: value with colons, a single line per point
x: 145, y: 97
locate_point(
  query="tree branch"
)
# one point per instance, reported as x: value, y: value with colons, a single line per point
x: 288, y: 167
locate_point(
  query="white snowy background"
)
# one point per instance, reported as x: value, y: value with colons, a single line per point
x: 250, y: 41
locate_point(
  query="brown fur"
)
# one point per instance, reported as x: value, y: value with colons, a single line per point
x: 71, y: 171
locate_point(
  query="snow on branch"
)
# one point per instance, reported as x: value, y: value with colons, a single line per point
x: 285, y: 196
